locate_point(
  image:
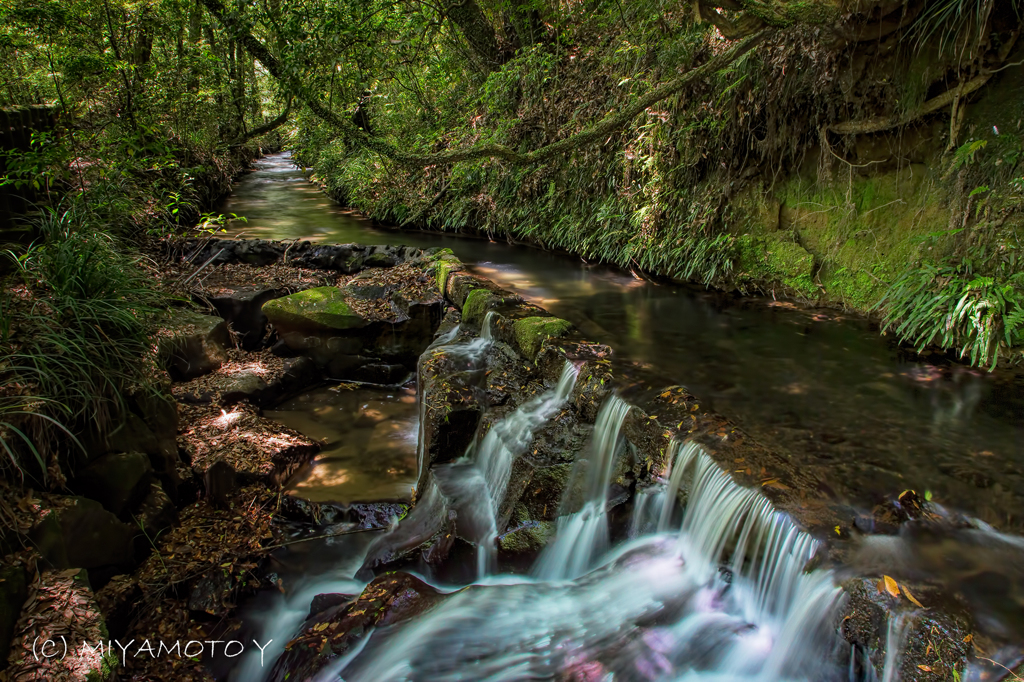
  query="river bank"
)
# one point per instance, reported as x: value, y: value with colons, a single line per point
x: 213, y: 558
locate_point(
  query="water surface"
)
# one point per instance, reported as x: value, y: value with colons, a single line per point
x: 842, y: 402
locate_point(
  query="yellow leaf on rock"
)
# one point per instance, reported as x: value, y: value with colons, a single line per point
x: 925, y: 668
x: 887, y: 584
x: 906, y: 593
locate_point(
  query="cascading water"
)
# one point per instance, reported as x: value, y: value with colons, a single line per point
x: 467, y: 353
x: 477, y: 487
x: 655, y: 506
x: 656, y: 608
x: 508, y: 439
x: 286, y: 613
x: 581, y: 536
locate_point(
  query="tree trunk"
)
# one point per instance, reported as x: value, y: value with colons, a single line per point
x: 479, y: 33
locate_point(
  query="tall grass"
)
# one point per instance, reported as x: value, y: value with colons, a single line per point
x: 78, y: 334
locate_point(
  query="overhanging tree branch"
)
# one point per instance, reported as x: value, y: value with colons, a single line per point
x: 266, y: 127
x: 236, y: 27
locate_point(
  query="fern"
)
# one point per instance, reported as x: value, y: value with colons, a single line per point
x: 951, y: 306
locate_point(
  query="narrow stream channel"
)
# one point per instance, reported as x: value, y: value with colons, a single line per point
x: 720, y: 595
x: 854, y: 413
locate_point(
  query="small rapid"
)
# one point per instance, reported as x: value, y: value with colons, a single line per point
x: 661, y: 606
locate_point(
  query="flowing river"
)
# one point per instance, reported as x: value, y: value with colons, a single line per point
x: 721, y: 594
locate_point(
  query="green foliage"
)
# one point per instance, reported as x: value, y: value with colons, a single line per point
x: 955, y: 307
x: 80, y: 338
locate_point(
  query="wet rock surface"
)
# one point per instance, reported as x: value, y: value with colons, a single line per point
x: 465, y: 396
x: 387, y: 600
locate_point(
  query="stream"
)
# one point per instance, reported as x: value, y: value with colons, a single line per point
x: 721, y: 594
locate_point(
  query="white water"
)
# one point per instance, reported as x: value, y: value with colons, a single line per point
x: 583, y: 535
x: 656, y: 608
x: 478, y: 487
x: 465, y: 354
x: 282, y: 619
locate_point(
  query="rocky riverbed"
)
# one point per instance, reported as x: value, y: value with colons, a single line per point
x: 176, y: 518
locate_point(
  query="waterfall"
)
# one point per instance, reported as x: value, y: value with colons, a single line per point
x: 487, y: 327
x: 656, y: 608
x: 467, y: 353
x: 281, y: 619
x: 896, y: 632
x: 582, y: 536
x: 654, y: 506
x: 478, y: 490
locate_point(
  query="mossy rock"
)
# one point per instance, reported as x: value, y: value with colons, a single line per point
x: 478, y: 302
x: 443, y: 268
x: 770, y: 259
x: 531, y: 332
x: 313, y: 309
x: 529, y: 539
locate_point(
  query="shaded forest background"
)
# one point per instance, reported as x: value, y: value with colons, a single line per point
x: 858, y: 154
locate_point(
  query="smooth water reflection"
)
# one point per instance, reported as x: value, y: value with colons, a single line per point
x: 369, y: 443
x: 825, y: 389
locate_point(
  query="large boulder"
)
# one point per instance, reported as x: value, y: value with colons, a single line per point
x: 118, y: 481
x: 80, y: 533
x: 318, y: 309
x: 190, y: 344
x: 364, y: 330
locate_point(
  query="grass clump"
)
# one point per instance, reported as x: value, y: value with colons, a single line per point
x: 75, y: 336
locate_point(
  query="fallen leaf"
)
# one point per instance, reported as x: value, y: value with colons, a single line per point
x: 887, y: 584
x: 906, y: 593
x: 925, y: 668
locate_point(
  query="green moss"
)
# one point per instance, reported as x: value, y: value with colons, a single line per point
x: 442, y: 269
x: 771, y: 259
x: 867, y: 231
x: 319, y: 308
x: 442, y: 254
x: 379, y: 260
x: 531, y: 538
x: 477, y: 303
x: 531, y: 332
